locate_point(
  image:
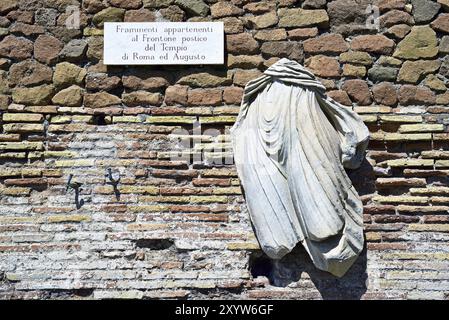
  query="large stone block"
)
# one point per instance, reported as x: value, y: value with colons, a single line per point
x: 16, y: 48
x: 70, y: 97
x: 283, y: 49
x: 358, y: 90
x: 47, y: 48
x: 329, y: 43
x: 323, y: 66
x: 67, y: 74
x: 414, y: 71
x: 40, y: 95
x: 372, y: 43
x: 193, y: 7
x: 204, y: 80
x: 424, y: 10
x: 100, y: 100
x: 241, y: 43
x: 29, y: 73
x: 421, y: 42
x: 142, y: 98
x: 302, y: 18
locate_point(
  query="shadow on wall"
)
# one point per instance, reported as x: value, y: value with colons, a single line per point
x: 363, y: 178
x: 291, y: 269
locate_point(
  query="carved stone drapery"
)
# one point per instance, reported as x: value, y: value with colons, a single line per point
x: 291, y: 145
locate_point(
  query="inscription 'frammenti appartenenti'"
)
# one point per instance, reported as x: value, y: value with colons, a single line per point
x: 163, y: 43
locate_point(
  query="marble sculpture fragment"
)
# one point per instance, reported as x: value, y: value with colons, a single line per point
x: 291, y: 145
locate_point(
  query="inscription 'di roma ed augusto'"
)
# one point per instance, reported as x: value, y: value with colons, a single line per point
x: 163, y: 43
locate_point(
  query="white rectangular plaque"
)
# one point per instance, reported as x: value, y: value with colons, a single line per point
x: 163, y: 43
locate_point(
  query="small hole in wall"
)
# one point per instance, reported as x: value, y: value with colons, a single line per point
x: 99, y: 120
x: 154, y: 244
x: 86, y: 292
x: 260, y: 265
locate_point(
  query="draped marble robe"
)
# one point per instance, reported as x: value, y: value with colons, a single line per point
x: 291, y: 144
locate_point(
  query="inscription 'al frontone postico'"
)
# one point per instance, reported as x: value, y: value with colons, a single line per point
x: 163, y: 43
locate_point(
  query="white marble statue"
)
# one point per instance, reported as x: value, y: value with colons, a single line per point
x: 291, y: 144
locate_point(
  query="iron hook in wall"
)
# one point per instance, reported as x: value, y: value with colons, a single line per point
x: 77, y: 187
x: 111, y: 179
x: 114, y: 182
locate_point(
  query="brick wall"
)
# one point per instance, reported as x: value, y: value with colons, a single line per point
x: 176, y: 225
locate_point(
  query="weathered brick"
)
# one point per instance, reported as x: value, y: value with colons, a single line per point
x: 22, y: 146
x: 435, y: 154
x: 23, y: 127
x: 429, y: 227
x: 146, y: 226
x: 148, y: 208
x: 410, y: 162
x: 208, y: 199
x: 74, y: 163
x: 421, y: 128
x: 23, y: 117
x: 139, y: 189
x: 422, y: 209
x: 400, y: 118
x: 15, y: 191
x: 444, y: 191
x: 395, y: 182
x: 243, y: 246
x: 67, y: 218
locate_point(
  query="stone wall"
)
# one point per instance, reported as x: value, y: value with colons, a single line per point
x: 175, y: 225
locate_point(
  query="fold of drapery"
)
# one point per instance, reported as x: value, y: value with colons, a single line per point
x: 291, y: 144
